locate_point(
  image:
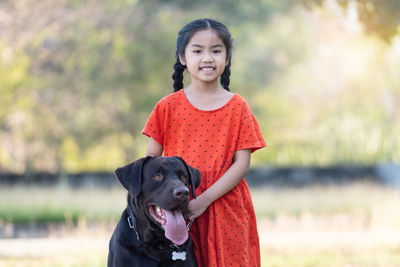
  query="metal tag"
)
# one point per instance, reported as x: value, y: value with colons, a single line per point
x: 179, y: 255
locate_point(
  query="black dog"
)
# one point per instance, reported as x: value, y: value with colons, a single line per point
x: 152, y: 230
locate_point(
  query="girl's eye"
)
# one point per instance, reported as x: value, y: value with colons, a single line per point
x: 157, y: 177
x: 217, y: 51
x: 197, y: 51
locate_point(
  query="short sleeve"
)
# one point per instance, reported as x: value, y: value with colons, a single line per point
x: 154, y: 126
x: 250, y: 136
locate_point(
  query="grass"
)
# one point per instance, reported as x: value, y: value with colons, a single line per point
x: 329, y: 258
x: 361, y: 200
x: 95, y: 259
x: 60, y: 204
x: 63, y: 204
x: 356, y: 225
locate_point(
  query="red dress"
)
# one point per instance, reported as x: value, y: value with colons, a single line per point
x: 226, y: 233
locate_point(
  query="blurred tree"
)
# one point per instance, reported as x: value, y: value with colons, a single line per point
x: 16, y: 103
x: 78, y: 84
x: 380, y: 17
x: 337, y: 102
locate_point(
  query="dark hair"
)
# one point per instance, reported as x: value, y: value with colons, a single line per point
x: 184, y: 36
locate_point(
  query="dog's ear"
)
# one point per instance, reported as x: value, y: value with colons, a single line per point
x: 194, y: 176
x: 130, y: 176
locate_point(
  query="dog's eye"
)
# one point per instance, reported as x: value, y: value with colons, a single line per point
x: 184, y: 178
x: 157, y: 177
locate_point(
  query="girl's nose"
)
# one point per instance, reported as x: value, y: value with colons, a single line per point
x: 207, y: 57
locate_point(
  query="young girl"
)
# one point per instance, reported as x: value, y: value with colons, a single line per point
x: 214, y: 131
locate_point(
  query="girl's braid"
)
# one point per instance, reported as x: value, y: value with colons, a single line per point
x: 225, y: 80
x: 177, y: 76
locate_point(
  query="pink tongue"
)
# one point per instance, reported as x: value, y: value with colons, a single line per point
x: 175, y: 227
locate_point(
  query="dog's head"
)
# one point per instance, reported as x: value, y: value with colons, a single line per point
x: 162, y: 186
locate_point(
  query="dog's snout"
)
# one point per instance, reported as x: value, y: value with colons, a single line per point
x: 181, y: 192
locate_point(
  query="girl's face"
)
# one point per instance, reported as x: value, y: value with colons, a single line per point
x: 205, y: 57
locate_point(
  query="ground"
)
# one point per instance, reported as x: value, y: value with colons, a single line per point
x: 355, y: 226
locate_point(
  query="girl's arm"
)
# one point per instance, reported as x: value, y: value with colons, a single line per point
x: 154, y: 148
x: 235, y: 173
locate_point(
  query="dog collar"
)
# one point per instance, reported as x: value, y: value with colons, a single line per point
x: 132, y: 221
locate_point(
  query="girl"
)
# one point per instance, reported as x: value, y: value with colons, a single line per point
x: 214, y: 131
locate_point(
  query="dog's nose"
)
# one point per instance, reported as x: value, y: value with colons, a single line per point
x: 181, y: 192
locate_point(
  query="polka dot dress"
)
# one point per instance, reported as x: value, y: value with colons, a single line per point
x: 226, y: 233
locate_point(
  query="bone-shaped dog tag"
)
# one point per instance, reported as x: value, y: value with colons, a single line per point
x: 179, y: 255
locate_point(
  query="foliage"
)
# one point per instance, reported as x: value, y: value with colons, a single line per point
x: 78, y: 84
x: 334, y: 95
x: 379, y: 17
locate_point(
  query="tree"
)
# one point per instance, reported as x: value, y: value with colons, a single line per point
x: 380, y: 17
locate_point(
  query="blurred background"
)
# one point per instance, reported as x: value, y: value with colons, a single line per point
x: 78, y: 80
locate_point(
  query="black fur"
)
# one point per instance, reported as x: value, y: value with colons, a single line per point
x: 150, y: 247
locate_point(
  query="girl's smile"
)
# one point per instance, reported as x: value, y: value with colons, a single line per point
x: 207, y: 68
x: 205, y: 57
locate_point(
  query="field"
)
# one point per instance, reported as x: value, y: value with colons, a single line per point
x: 356, y: 225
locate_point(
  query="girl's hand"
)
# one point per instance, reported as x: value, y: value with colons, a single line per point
x: 235, y: 173
x: 196, y: 208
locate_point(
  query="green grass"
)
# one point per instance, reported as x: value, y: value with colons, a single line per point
x: 60, y: 205
x: 63, y: 204
x: 358, y: 200
x: 367, y: 213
